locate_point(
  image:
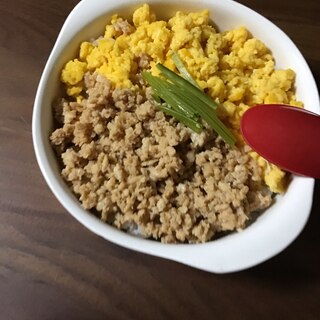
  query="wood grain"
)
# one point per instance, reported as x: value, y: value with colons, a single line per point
x: 53, y: 268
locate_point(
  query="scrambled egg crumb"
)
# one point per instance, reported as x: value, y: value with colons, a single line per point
x: 234, y: 68
x: 275, y: 179
x: 73, y: 72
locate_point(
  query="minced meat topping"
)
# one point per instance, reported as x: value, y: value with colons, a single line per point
x: 142, y: 171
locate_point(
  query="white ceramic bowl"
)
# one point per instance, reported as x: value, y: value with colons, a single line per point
x: 274, y: 230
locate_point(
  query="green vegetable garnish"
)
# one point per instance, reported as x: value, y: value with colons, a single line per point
x: 186, y: 103
x: 186, y: 85
x: 182, y: 69
x: 189, y: 122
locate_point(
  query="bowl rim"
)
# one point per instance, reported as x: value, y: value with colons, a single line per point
x: 220, y: 256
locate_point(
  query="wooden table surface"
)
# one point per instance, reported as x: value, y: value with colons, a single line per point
x: 51, y: 267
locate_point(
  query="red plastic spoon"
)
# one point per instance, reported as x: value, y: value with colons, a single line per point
x: 286, y: 136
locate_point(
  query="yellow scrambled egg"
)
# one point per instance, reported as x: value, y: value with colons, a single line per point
x: 234, y: 68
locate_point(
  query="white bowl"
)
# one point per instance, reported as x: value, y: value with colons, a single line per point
x: 274, y: 230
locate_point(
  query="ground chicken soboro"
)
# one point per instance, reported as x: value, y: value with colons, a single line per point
x: 140, y: 170
x: 136, y: 167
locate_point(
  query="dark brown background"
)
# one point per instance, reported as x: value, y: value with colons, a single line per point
x: 53, y: 268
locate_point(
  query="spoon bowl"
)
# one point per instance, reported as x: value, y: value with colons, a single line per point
x: 286, y: 136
